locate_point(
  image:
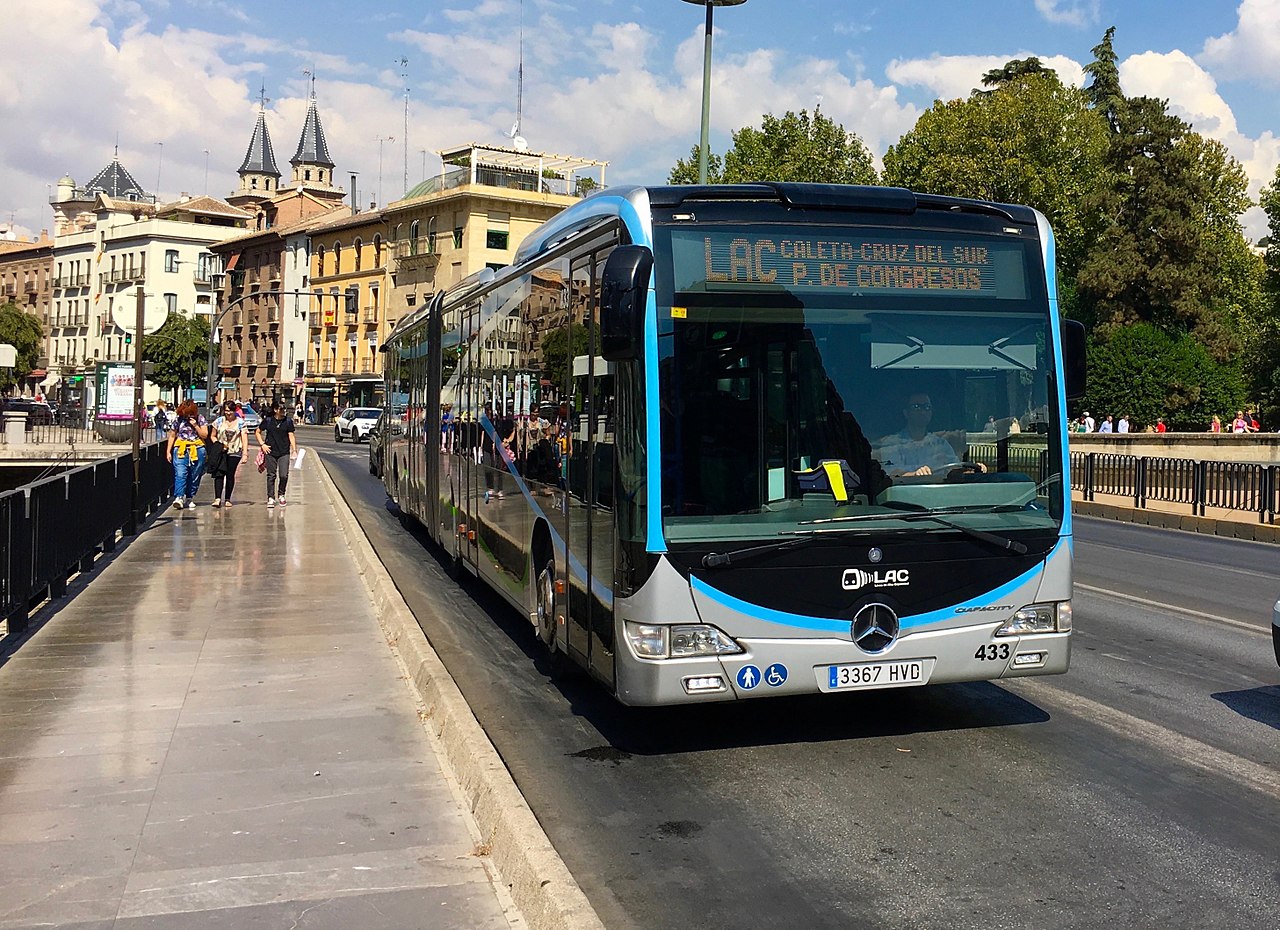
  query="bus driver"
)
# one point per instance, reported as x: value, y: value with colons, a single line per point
x: 914, y: 450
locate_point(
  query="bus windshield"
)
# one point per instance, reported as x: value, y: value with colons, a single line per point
x: 784, y: 403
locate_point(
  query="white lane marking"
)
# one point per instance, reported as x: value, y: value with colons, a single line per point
x: 1111, y: 655
x: 1220, y: 569
x: 1185, y: 611
x: 1207, y: 758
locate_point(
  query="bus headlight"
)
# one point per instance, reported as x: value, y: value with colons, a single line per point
x: 654, y: 641
x: 1034, y: 618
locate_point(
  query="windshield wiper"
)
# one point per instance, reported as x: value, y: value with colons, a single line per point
x: 912, y: 513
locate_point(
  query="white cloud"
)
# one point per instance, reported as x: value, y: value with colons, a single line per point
x: 1069, y: 12
x: 949, y: 77
x: 1252, y: 48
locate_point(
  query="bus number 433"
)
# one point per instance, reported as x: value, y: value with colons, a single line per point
x: 991, y: 652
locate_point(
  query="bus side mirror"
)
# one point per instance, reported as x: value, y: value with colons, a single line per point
x: 623, y: 290
x: 1073, y: 358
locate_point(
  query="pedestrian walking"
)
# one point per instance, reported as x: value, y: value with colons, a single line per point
x: 279, y: 443
x: 187, y: 436
x: 1216, y: 425
x: 230, y: 433
x: 160, y: 419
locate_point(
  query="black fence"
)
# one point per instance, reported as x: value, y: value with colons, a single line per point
x: 1245, y: 486
x: 54, y: 434
x: 53, y: 528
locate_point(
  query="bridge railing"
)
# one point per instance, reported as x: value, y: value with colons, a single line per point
x: 1248, y: 487
x: 53, y: 528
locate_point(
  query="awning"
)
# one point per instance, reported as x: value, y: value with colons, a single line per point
x: 50, y: 381
x: 232, y: 263
x: 38, y: 373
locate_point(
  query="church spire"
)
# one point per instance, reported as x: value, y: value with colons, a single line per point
x: 313, y: 151
x: 260, y: 159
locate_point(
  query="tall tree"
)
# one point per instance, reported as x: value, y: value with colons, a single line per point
x: 794, y: 147
x: 1032, y: 140
x: 1104, y: 92
x: 1261, y: 330
x: 179, y: 351
x: 1170, y: 210
x: 24, y: 332
x: 686, y: 170
x: 1013, y: 71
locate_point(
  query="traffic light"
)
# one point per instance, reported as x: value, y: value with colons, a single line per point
x: 128, y: 339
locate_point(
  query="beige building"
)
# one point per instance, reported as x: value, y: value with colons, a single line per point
x: 26, y: 272
x: 475, y: 214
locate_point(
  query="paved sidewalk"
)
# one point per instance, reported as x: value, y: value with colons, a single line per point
x: 215, y: 733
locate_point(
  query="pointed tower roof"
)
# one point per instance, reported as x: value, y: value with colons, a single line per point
x: 115, y: 181
x: 261, y: 158
x: 312, y: 149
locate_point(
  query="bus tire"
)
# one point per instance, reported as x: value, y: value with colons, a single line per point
x: 546, y: 608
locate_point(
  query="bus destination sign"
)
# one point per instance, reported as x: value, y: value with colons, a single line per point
x: 858, y: 261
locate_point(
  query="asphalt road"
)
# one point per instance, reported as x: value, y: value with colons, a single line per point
x: 1140, y: 790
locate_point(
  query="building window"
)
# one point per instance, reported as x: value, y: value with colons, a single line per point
x: 171, y: 303
x: 337, y: 258
x: 457, y: 237
x: 377, y: 251
x: 356, y: 248
x: 319, y: 261
x: 496, y: 239
x: 306, y: 174
x: 171, y: 260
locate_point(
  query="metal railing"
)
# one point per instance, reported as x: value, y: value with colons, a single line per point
x: 67, y: 434
x: 1249, y: 487
x: 54, y: 527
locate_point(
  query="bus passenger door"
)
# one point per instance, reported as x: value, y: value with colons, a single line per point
x: 469, y: 475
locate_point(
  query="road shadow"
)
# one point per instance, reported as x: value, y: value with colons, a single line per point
x: 1260, y: 704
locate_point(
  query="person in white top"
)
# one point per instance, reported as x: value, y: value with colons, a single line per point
x: 914, y: 450
x: 1089, y: 422
x: 1123, y: 425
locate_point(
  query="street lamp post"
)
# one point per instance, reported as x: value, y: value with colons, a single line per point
x: 706, y: 82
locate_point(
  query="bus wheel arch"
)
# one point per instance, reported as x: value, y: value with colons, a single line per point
x: 543, y: 568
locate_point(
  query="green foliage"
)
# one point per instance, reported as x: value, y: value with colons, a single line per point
x: 179, y: 350
x: 1261, y: 331
x: 796, y: 147
x: 1142, y: 372
x: 1013, y: 71
x: 1104, y: 92
x: 686, y: 171
x: 1031, y: 141
x: 24, y: 332
x: 559, y: 348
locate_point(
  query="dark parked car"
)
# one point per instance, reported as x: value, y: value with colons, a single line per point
x: 38, y: 412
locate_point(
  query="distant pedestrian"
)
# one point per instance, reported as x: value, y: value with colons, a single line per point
x: 1123, y: 425
x: 160, y: 419
x: 446, y: 428
x: 187, y: 435
x: 1089, y: 422
x: 276, y: 436
x: 230, y: 433
x: 1105, y: 425
x: 311, y: 413
x: 1160, y: 427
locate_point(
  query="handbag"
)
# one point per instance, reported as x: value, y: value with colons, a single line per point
x: 214, y: 457
x: 261, y: 461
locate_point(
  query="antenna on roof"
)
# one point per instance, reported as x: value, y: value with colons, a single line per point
x: 516, y: 139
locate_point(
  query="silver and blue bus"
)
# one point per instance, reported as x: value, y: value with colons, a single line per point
x: 738, y: 441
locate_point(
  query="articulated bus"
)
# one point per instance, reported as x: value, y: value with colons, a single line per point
x: 689, y: 429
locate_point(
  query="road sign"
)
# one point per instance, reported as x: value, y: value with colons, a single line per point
x: 224, y: 385
x: 125, y: 315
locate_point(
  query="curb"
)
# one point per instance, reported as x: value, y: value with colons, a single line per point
x: 1188, y: 523
x: 537, y: 879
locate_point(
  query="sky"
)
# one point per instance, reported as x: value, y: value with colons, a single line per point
x: 178, y: 82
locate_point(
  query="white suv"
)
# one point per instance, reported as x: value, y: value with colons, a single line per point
x: 355, y: 423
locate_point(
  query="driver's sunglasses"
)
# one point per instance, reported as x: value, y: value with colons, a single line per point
x: 919, y: 406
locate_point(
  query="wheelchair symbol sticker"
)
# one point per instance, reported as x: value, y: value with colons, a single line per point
x: 775, y: 675
x: 748, y: 677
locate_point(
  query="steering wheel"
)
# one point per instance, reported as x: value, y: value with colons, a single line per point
x: 969, y: 468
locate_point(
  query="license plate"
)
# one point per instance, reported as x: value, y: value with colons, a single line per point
x: 875, y: 674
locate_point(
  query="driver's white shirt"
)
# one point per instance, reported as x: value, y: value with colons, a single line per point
x: 900, y: 453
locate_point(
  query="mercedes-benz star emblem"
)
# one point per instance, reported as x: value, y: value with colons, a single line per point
x: 875, y: 628
x: 875, y: 555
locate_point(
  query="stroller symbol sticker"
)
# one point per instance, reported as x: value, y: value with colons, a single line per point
x: 775, y: 675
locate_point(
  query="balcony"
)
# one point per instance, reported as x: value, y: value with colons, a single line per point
x: 371, y: 314
x: 326, y: 368
x: 346, y: 367
x: 416, y: 253
x: 366, y: 366
x: 9, y: 290
x: 32, y: 287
